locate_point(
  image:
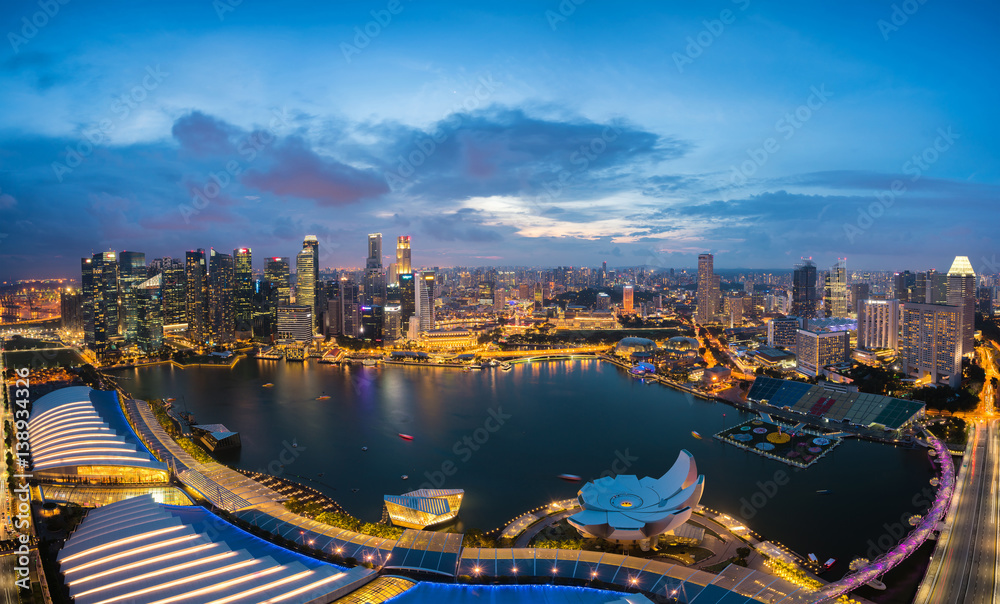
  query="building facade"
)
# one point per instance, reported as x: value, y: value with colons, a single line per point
x: 878, y: 324
x: 931, y: 347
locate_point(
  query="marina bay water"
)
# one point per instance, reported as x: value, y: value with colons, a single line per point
x: 505, y: 436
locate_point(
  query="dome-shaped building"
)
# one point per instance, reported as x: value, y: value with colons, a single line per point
x: 626, y: 347
x: 682, y: 344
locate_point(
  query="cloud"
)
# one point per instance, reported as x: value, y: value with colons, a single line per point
x: 7, y: 201
x: 203, y: 135
x: 298, y: 171
x: 463, y: 225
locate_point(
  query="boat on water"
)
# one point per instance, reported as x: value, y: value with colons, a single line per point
x: 475, y: 366
x: 268, y: 385
x: 506, y: 366
x: 369, y: 362
x: 696, y: 435
x: 170, y: 400
x: 295, y: 442
x: 813, y: 559
x: 364, y: 448
x: 405, y: 477
x: 824, y: 491
x: 405, y: 436
x: 322, y: 398
x: 829, y: 563
x: 570, y: 477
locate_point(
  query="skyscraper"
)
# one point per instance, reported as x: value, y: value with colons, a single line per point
x: 99, y: 284
x: 265, y: 311
x: 148, y: 297
x: 878, y: 324
x: 173, y: 285
x: 902, y: 283
x: 708, y: 290
x: 312, y: 244
x: 277, y: 272
x: 220, y: 291
x: 424, y: 299
x: 931, y: 347
x: 961, y: 292
x: 243, y: 290
x: 196, y: 276
x: 374, y: 285
x: 627, y: 301
x: 305, y: 278
x: 804, y: 289
x: 132, y: 272
x: 859, y: 293
x: 814, y: 350
x: 374, y: 251
x: 835, y: 298
x: 407, y: 300
x: 403, y: 255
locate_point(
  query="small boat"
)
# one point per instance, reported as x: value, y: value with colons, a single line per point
x: 696, y: 435
x: 405, y: 436
x: 355, y: 490
x: 405, y: 477
x: 269, y: 385
x: 322, y: 398
x: 170, y: 400
x: 368, y: 362
x: 824, y: 491
x: 506, y: 366
x: 829, y: 562
x: 364, y: 448
x: 813, y: 559
x: 320, y: 474
x: 569, y: 477
x: 295, y: 442
x: 475, y: 366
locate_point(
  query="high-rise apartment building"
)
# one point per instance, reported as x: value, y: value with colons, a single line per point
x: 804, y: 289
x: 835, y: 296
x: 814, y: 350
x: 930, y: 347
x: 196, y: 276
x: 243, y: 290
x: 878, y: 324
x: 221, y: 278
x: 708, y: 290
x: 781, y: 331
x: 277, y: 272
x: 961, y: 292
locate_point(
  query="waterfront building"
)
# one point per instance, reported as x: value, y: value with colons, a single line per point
x: 305, y: 278
x: 814, y: 350
x: 961, y: 292
x: 804, y: 289
x: 276, y: 271
x: 835, y: 296
x: 131, y: 272
x: 295, y: 324
x: 878, y: 324
x: 220, y: 295
x: 392, y: 327
x: 708, y: 290
x: 627, y: 347
x: 931, y: 347
x: 78, y: 434
x: 264, y: 310
x: 196, y: 291
x: 424, y: 508
x: 447, y: 339
x: 626, y: 509
x: 243, y: 289
x: 372, y: 321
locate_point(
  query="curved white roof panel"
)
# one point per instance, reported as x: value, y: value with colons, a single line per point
x: 79, y: 426
x: 137, y: 550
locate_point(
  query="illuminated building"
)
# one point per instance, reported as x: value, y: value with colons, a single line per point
x: 403, y: 264
x: 393, y: 326
x: 424, y: 299
x: 220, y: 295
x: 902, y: 284
x: 173, y: 284
x: 804, y: 289
x: 423, y: 508
x: 931, y: 348
x: 814, y: 350
x: 539, y: 296
x: 243, y: 289
x: 708, y: 290
x: 71, y: 309
x: 99, y: 285
x: 781, y: 331
x: 305, y: 278
x: 295, y: 323
x: 374, y: 285
x: 627, y: 509
x: 276, y: 272
x: 733, y: 309
x: 196, y: 277
x: 859, y: 293
x: 149, y: 313
x: 264, y: 310
x: 962, y: 293
x: 407, y: 297
x: 627, y: 303
x: 835, y: 298
x: 81, y: 435
x: 878, y: 324
x: 447, y: 339
x: 131, y: 272
x: 603, y: 301
x: 372, y: 318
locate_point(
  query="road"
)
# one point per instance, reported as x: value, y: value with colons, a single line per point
x: 8, y: 589
x: 964, y: 568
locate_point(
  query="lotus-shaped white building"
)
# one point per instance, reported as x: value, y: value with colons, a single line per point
x: 627, y: 509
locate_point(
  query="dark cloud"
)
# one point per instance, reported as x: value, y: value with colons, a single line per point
x: 463, y: 225
x: 42, y: 70
x: 203, y: 135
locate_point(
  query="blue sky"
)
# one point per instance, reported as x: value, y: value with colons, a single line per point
x: 527, y: 133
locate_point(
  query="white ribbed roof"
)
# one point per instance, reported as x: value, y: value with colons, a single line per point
x: 139, y: 551
x: 80, y: 426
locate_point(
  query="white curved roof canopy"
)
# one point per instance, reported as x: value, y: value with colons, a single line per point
x: 79, y: 426
x: 626, y: 508
x: 139, y: 551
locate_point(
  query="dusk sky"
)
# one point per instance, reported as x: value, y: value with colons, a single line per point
x: 503, y: 133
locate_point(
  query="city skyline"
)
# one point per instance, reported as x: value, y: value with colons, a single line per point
x: 640, y: 135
